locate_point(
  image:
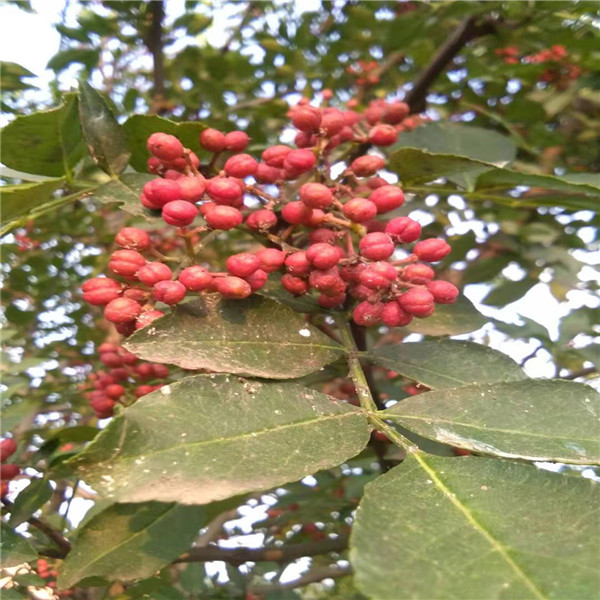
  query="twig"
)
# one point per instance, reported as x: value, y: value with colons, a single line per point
x: 214, y: 528
x: 580, y: 373
x: 311, y: 577
x: 154, y: 43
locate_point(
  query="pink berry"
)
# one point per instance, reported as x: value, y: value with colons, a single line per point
x: 257, y: 279
x: 294, y: 285
x: 322, y: 256
x: 275, y: 155
x: 378, y: 275
x: 322, y: 235
x: 332, y: 121
x: 191, y: 188
x: 367, y: 313
x: 122, y: 310
x: 179, y: 213
x: 306, y: 118
x: 365, y: 166
x: 224, y: 217
x: 233, y: 287
x: 132, y: 238
x: 153, y: 273
x: 326, y: 280
x: 301, y: 160
x: 383, y: 135
x: 236, y: 141
x: 331, y: 301
x: 169, y: 292
x: 403, y: 229
x: 297, y: 264
x: 160, y: 191
x: 359, y: 210
x: 99, y: 291
x: 147, y: 317
x: 376, y: 246
x: 261, y: 220
x: 195, y: 278
x: 212, y: 140
x: 9, y: 471
x: 296, y: 213
x: 387, y: 198
x: 432, y: 249
x: 443, y: 291
x: 271, y: 259
x: 417, y: 273
x: 266, y: 174
x: 393, y: 315
x: 114, y: 391
x: 241, y: 165
x: 224, y: 190
x: 417, y: 302
x: 164, y: 146
x: 303, y: 139
x: 126, y: 262
x: 8, y: 447
x: 351, y: 273
x: 396, y: 112
x: 316, y: 195
x: 242, y: 264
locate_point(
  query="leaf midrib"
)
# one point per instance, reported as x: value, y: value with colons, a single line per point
x: 229, y: 342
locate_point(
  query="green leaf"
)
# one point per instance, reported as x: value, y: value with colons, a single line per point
x: 18, y: 200
x: 11, y: 77
x: 509, y: 291
x: 33, y: 497
x: 461, y: 140
x: 447, y: 363
x: 104, y: 136
x: 126, y: 192
x: 211, y: 437
x: 14, y: 548
x: 454, y: 528
x: 86, y: 56
x: 450, y: 319
x: 256, y: 336
x: 131, y: 541
x: 44, y: 143
x: 541, y: 420
x: 139, y: 128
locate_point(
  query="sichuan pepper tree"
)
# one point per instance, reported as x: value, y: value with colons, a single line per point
x: 242, y: 341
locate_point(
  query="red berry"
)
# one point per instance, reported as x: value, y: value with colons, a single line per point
x: 359, y: 210
x: 376, y: 246
x: 153, y: 273
x: 8, y: 472
x: 257, y: 279
x: 236, y: 141
x: 160, y: 191
x: 169, y: 292
x: 111, y: 359
x: 393, y: 315
x: 443, y: 291
x: 195, y: 278
x: 306, y: 118
x: 322, y: 256
x: 143, y: 390
x: 297, y: 264
x: 316, y: 195
x: 232, y: 287
x: 122, y: 310
x: 212, y: 140
x: 365, y: 166
x: 275, y: 155
x: 418, y: 273
x: 403, y: 229
x: 179, y: 213
x: 387, y: 198
x: 296, y: 213
x: 114, y: 391
x: 107, y: 347
x: 191, y: 188
x: 378, y: 275
x: 241, y: 165
x: 352, y: 273
x: 136, y: 294
x: 317, y: 216
x: 367, y: 313
x: 322, y: 235
x: 327, y: 281
x: 417, y: 302
x: 294, y: 285
x: 304, y: 139
x: 396, y: 112
x: 332, y: 121
x: 224, y: 217
x: 300, y: 161
x: 243, y: 264
x: 126, y: 262
x: 271, y: 259
x: 224, y: 191
x: 8, y: 447
x: 99, y: 291
x: 331, y: 301
x: 383, y: 135
x: 266, y: 174
x: 132, y: 238
x: 147, y: 317
x: 261, y: 220
x: 155, y: 165
x: 164, y: 146
x: 432, y: 249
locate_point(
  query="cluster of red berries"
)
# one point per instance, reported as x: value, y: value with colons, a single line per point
x: 8, y: 471
x: 365, y: 72
x: 309, y: 222
x: 124, y: 371
x: 50, y: 574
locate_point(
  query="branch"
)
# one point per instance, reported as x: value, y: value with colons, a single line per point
x: 154, y: 43
x: 278, y: 554
x: 53, y: 534
x: 311, y: 577
x: 580, y: 373
x: 468, y: 30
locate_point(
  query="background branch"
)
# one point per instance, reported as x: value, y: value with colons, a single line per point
x: 313, y: 576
